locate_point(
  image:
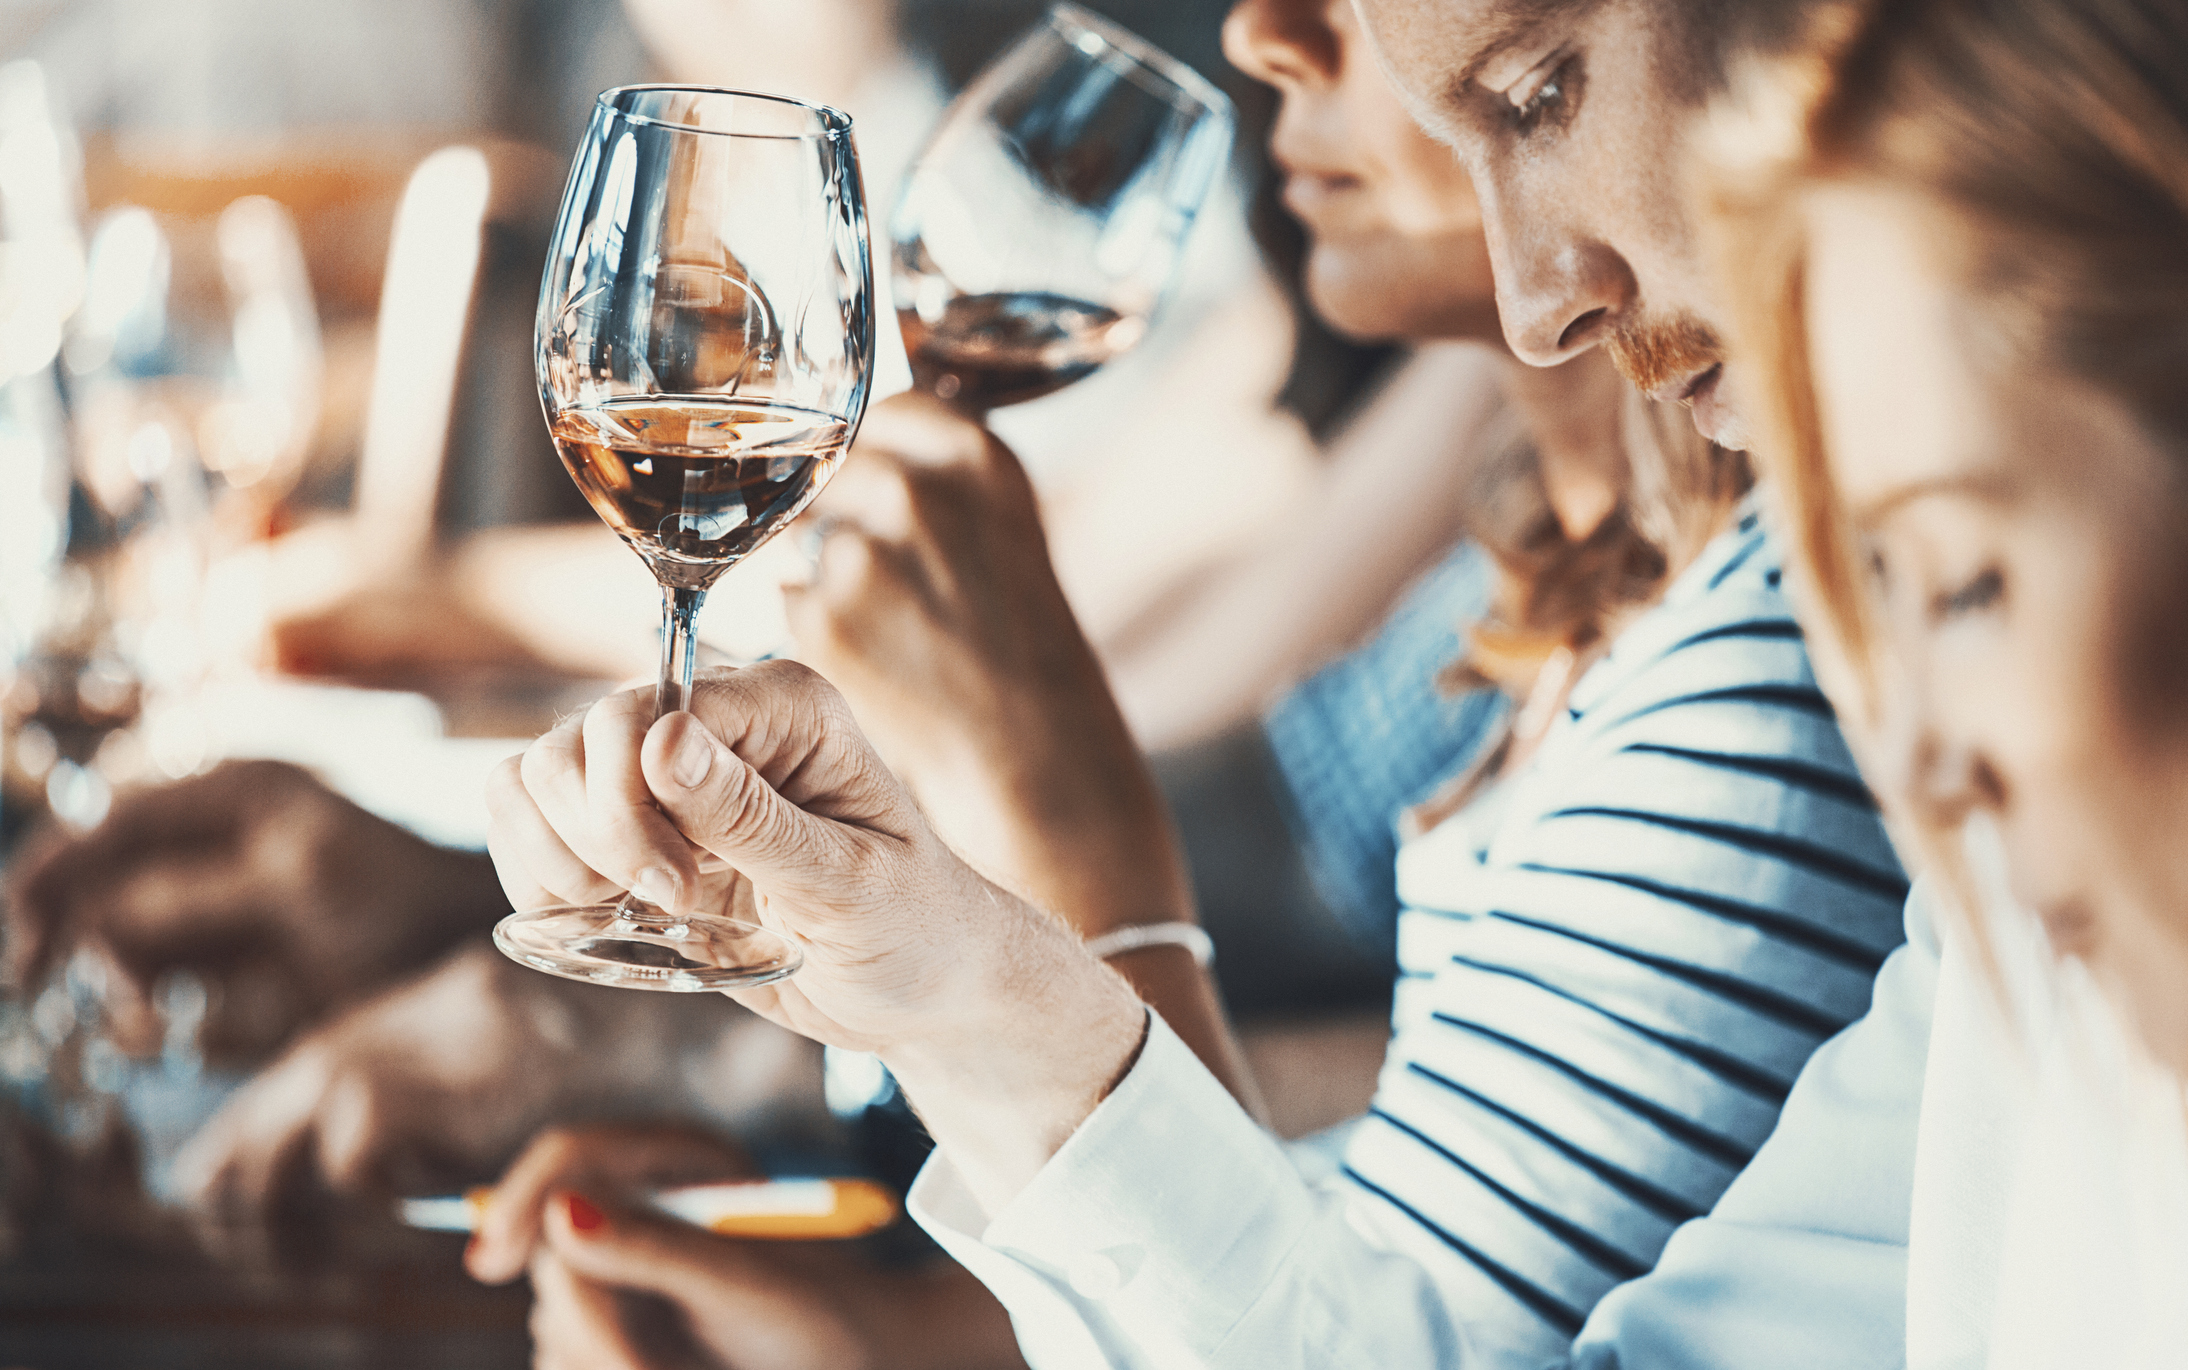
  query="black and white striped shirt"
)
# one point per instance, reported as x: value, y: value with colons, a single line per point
x: 1614, y: 967
x: 1606, y: 995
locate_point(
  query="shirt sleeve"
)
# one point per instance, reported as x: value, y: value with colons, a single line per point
x: 1171, y: 1230
x: 1803, y: 1263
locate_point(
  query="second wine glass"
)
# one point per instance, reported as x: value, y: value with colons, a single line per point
x: 1043, y: 222
x: 704, y: 343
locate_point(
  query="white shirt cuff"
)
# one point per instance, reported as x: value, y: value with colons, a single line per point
x: 1158, y: 1223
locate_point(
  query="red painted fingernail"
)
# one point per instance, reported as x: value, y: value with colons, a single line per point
x: 583, y: 1216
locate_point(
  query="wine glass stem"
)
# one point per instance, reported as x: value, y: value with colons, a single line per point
x: 679, y: 653
x: 679, y: 647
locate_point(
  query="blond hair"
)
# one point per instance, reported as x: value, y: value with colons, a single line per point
x: 2056, y: 129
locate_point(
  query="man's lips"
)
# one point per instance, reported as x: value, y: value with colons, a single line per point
x: 1698, y: 386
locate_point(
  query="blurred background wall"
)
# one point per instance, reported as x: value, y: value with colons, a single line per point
x: 326, y: 106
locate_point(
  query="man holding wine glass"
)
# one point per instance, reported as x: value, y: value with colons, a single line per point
x: 1599, y: 491
x: 1013, y: 715
x: 704, y: 348
x: 84, y: 892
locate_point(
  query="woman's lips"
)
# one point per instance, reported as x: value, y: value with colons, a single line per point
x: 1703, y: 384
x: 1311, y: 194
x: 1714, y: 416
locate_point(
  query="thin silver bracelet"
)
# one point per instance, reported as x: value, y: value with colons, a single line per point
x: 1133, y: 937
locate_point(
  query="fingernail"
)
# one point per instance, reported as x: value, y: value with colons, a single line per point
x: 583, y: 1216
x: 655, y: 886
x: 694, y: 757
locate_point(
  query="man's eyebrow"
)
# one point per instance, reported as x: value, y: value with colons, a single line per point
x: 1506, y: 23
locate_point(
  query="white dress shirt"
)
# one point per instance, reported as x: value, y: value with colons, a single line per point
x: 2050, y: 1219
x: 1170, y: 1230
x: 1614, y: 984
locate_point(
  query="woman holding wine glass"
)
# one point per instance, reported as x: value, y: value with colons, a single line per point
x: 1039, y: 229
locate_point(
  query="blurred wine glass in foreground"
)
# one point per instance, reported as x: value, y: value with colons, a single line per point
x: 704, y: 342
x: 1042, y: 224
x: 41, y: 283
x: 194, y: 375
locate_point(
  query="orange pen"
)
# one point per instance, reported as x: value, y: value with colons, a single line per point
x: 783, y: 1210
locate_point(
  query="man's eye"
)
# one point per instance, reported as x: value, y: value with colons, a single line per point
x: 1980, y: 593
x: 1547, y: 99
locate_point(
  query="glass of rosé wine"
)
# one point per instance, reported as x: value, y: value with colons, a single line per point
x: 704, y: 345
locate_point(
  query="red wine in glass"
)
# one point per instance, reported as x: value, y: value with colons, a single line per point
x: 1043, y: 221
x: 987, y: 351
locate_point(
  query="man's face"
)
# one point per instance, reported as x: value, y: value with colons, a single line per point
x: 1572, y: 119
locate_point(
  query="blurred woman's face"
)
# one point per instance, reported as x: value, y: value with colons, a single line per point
x: 1397, y: 248
x: 2029, y: 557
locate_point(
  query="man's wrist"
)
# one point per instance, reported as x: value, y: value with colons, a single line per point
x: 1049, y: 1033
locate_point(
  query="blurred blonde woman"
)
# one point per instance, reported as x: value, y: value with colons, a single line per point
x: 1955, y: 236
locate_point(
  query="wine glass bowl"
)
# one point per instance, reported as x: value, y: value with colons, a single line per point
x: 695, y: 484
x: 706, y: 324
x: 1043, y: 222
x: 704, y: 347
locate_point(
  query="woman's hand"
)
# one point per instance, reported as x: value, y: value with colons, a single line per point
x: 609, y: 1163
x: 635, y: 1291
x: 936, y: 611
x: 622, y: 1287
x: 987, y: 1009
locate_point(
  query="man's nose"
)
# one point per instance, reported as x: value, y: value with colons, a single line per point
x: 1282, y: 42
x: 1560, y: 290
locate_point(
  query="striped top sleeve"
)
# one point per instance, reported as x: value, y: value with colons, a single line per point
x: 1605, y: 998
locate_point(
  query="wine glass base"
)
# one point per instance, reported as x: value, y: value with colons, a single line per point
x: 636, y: 946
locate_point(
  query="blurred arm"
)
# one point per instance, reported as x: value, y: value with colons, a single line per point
x: 441, y: 1078
x: 1388, y: 500
x: 936, y: 611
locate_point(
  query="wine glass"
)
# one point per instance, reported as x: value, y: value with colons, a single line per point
x: 1041, y: 225
x: 705, y: 342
